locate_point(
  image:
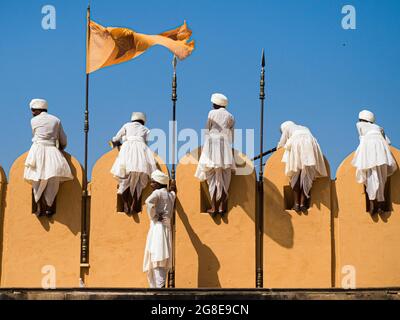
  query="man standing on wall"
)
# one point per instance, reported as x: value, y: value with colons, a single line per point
x: 46, y: 166
x: 217, y: 161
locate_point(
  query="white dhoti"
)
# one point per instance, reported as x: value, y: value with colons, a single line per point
x: 47, y: 188
x: 216, y: 163
x: 157, y: 277
x: 374, y: 163
x: 45, y: 168
x: 306, y: 178
x: 135, y: 182
x: 133, y: 166
x: 158, y: 255
x: 375, y: 183
x: 218, y: 181
x: 304, y: 160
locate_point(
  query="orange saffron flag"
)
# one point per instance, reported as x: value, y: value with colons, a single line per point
x: 109, y: 46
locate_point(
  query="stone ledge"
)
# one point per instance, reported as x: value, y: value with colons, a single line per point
x: 200, y: 294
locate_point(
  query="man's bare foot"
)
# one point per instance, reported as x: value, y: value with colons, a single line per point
x: 303, y: 209
x: 223, y: 208
x: 133, y: 208
x: 296, y: 208
x: 126, y: 207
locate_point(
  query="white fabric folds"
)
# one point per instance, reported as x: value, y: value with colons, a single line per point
x: 373, y: 160
x: 303, y: 156
x: 135, y: 155
x: 158, y: 251
x: 217, y: 161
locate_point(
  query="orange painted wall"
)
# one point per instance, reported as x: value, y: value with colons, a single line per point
x: 215, y: 252
x: 297, y: 247
x: 117, y: 241
x: 30, y: 243
x: 370, y: 244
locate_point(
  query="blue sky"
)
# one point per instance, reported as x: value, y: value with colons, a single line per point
x: 318, y: 74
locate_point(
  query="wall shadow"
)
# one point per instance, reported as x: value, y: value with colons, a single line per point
x: 69, y: 200
x: 277, y: 221
x: 208, y: 263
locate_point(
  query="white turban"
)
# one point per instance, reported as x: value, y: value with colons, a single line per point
x: 219, y: 99
x: 138, y: 116
x: 40, y: 104
x: 160, y: 177
x: 286, y: 125
x: 367, y: 116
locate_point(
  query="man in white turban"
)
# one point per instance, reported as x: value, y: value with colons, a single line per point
x: 217, y: 162
x: 135, y: 162
x: 304, y: 161
x: 373, y: 160
x: 46, y: 166
x: 158, y: 252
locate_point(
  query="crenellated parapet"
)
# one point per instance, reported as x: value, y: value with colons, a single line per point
x: 337, y: 243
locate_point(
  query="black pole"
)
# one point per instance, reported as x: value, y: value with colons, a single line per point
x: 260, y: 187
x: 85, y: 195
x: 266, y: 153
x: 174, y: 98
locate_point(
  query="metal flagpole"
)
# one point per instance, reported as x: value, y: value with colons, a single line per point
x: 260, y: 187
x: 174, y: 98
x: 85, y: 196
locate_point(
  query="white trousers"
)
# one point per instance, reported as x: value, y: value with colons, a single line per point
x: 375, y: 183
x: 157, y: 277
x: 136, y: 181
x: 218, y: 180
x: 48, y: 188
x: 307, y: 177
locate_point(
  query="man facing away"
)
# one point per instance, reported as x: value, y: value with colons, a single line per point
x: 135, y: 161
x: 158, y: 252
x: 45, y: 165
x: 373, y: 160
x: 217, y: 162
x: 304, y: 161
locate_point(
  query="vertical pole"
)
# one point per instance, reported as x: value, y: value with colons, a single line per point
x: 174, y: 98
x: 84, y: 232
x: 260, y: 187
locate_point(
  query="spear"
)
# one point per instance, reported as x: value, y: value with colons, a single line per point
x: 174, y: 98
x: 84, y: 234
x: 260, y: 185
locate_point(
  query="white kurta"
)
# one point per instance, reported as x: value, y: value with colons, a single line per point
x: 135, y: 161
x: 45, y: 161
x: 158, y: 251
x: 216, y: 161
x: 303, y: 157
x: 373, y: 160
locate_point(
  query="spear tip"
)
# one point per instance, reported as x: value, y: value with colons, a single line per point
x: 263, y: 59
x: 174, y: 62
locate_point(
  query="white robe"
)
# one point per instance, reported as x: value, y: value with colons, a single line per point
x: 45, y: 162
x: 303, y: 157
x: 158, y: 251
x: 373, y: 160
x: 216, y: 161
x: 135, y: 161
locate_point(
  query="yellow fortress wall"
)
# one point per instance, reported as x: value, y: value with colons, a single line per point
x: 215, y: 252
x: 34, y: 248
x: 117, y: 241
x: 317, y: 250
x: 297, y: 247
x: 368, y: 245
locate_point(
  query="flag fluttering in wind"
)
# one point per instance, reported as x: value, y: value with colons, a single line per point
x: 109, y: 46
